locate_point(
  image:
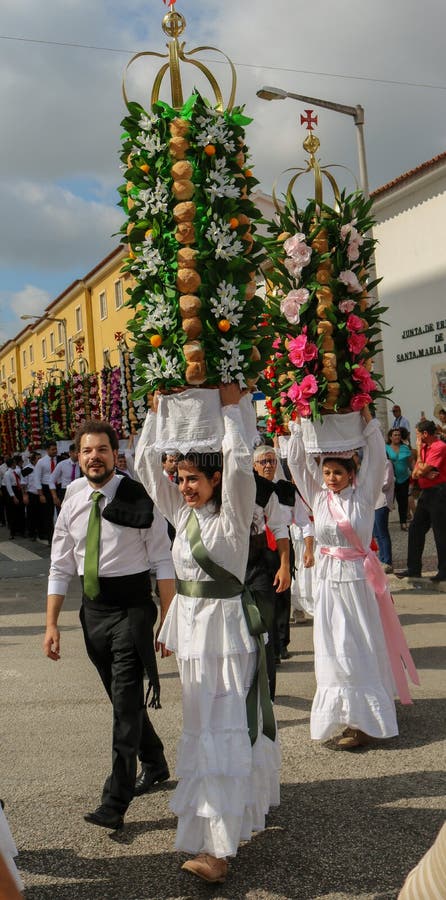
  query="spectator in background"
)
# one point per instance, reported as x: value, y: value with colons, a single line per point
x: 441, y: 428
x: 44, y: 469
x: 32, y: 498
x: 15, y: 508
x: 400, y: 455
x: 66, y: 471
x: 430, y: 470
x: 170, y: 466
x: 399, y: 421
x: 381, y: 527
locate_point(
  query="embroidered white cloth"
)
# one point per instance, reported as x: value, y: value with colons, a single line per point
x: 193, y: 420
x: 225, y: 786
x: 337, y: 433
x: 355, y: 684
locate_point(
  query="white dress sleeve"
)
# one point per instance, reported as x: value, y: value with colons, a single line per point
x: 238, y: 487
x: 148, y: 467
x: 305, y: 481
x: 373, y: 467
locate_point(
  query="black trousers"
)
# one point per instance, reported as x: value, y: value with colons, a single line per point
x: 47, y: 514
x: 402, y: 499
x: 111, y: 647
x: 33, y: 516
x: 430, y: 512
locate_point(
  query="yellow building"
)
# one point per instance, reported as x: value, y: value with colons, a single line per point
x: 76, y: 332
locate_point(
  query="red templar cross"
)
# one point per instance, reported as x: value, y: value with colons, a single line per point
x: 308, y: 119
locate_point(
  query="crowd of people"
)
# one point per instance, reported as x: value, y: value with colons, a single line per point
x: 237, y: 540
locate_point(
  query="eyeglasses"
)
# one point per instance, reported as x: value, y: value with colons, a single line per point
x: 265, y: 462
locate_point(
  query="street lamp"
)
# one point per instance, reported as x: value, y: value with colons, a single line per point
x: 356, y: 112
x: 63, y: 323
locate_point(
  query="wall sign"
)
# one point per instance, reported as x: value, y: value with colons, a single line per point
x: 438, y: 329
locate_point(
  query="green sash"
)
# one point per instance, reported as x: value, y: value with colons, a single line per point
x: 223, y: 586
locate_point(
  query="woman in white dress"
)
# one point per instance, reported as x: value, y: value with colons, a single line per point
x: 10, y: 881
x: 355, y: 684
x: 225, y: 784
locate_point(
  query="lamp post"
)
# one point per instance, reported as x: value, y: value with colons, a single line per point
x: 356, y: 113
x: 63, y: 323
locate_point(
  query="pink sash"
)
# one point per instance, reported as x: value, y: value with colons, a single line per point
x: 399, y: 654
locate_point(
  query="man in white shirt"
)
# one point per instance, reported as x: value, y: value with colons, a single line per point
x: 15, y: 509
x: 400, y: 421
x: 44, y: 469
x: 66, y: 471
x: 32, y: 498
x: 118, y: 621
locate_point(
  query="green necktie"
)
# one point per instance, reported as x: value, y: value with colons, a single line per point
x: 91, y: 563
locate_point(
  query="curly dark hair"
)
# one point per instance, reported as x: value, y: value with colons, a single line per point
x: 97, y: 426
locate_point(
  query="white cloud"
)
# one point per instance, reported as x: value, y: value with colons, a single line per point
x: 29, y: 301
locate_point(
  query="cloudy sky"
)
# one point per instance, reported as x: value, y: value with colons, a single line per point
x: 61, y: 67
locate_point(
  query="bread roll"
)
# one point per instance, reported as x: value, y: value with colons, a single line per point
x: 193, y: 352
x: 182, y: 170
x: 196, y: 373
x: 185, y: 233
x: 250, y: 290
x: 178, y: 147
x: 192, y: 327
x: 184, y: 212
x: 183, y: 190
x: 324, y: 327
x: 189, y: 306
x: 320, y: 242
x: 188, y: 280
x: 179, y: 127
x: 187, y: 258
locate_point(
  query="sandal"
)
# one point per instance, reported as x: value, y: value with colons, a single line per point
x: 403, y: 526
x: 351, y: 739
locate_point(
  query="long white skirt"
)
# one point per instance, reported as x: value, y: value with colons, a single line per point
x: 355, y: 685
x: 302, y: 584
x: 9, y: 849
x: 225, y: 785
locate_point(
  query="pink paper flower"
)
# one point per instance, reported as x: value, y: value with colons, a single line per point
x: 276, y: 343
x: 350, y: 280
x: 359, y: 401
x: 346, y: 306
x: 308, y: 386
x: 291, y: 243
x: 354, y: 323
x: 363, y: 377
x: 290, y: 306
x: 356, y: 343
x: 293, y: 268
x: 301, y: 350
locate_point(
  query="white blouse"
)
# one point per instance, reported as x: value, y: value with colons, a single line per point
x: 357, y: 501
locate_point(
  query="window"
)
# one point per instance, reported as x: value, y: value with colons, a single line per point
x: 103, y: 305
x: 59, y: 333
x: 3, y: 372
x: 12, y: 364
x: 43, y: 348
x: 51, y: 341
x: 31, y: 354
x: 70, y: 351
x: 119, y: 301
x: 24, y: 358
x: 78, y: 316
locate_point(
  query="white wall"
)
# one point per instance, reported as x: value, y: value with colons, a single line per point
x: 411, y: 259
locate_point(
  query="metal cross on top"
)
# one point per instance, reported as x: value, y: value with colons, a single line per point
x: 309, y: 119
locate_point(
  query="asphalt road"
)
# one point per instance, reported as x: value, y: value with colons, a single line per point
x: 349, y: 827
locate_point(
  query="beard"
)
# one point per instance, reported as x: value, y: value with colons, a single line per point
x: 98, y: 477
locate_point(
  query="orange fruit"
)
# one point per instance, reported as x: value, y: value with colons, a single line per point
x: 234, y: 223
x: 210, y: 150
x: 156, y: 340
x: 224, y: 325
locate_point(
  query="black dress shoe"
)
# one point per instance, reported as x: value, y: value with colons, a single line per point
x: 149, y: 776
x: 438, y: 577
x: 105, y: 817
x: 406, y: 574
x: 284, y: 653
